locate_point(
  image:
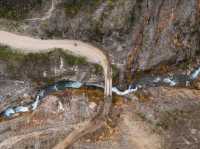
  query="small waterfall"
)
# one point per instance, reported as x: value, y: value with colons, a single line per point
x: 195, y: 74
x: 126, y: 92
x: 8, y: 112
x: 61, y: 63
x: 35, y: 103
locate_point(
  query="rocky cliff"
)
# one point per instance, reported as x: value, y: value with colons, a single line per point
x: 140, y: 33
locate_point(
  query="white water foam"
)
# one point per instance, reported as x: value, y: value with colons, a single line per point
x: 126, y: 92
x: 169, y: 81
x: 21, y: 109
x: 1, y: 98
x: 157, y: 79
x: 35, y: 103
x: 74, y: 85
x: 195, y: 74
x: 9, y: 112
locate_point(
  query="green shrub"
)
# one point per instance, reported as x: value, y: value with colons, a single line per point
x: 115, y: 72
x: 72, y: 7
x: 8, y: 54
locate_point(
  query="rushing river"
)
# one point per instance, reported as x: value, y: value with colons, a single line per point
x: 174, y: 80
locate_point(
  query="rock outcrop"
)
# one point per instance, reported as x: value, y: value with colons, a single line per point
x: 147, y: 32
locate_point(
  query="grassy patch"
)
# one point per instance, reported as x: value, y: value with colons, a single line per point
x: 7, y: 54
x: 98, y: 69
x: 115, y: 72
x: 72, y: 7
x: 71, y: 59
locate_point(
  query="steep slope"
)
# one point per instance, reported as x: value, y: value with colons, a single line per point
x: 140, y: 34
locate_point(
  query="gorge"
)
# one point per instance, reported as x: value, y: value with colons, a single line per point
x: 99, y: 74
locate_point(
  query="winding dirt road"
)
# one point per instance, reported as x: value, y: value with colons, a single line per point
x: 26, y: 44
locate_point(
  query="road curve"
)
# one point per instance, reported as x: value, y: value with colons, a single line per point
x: 27, y: 44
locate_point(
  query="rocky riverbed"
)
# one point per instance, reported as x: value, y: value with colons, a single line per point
x: 157, y: 115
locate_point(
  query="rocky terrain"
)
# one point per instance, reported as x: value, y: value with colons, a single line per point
x: 155, y: 118
x: 142, y: 38
x: 140, y: 34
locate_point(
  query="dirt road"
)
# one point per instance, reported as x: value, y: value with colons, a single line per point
x: 26, y: 44
x: 31, y: 45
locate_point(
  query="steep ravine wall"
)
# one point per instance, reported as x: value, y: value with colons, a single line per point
x: 47, y: 67
x: 138, y: 34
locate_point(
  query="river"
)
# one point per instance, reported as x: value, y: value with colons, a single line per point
x: 148, y: 81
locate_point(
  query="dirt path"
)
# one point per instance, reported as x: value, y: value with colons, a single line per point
x: 48, y: 13
x: 140, y: 136
x: 138, y: 133
x: 12, y: 140
x: 31, y: 45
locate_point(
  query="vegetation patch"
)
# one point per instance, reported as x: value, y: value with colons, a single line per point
x: 115, y: 73
x: 98, y: 69
x: 72, y: 7
x: 17, y: 9
x: 8, y: 54
x: 73, y: 60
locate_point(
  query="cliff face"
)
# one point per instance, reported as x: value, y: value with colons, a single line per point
x: 150, y: 32
x: 140, y: 33
x: 47, y: 67
x: 167, y: 31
